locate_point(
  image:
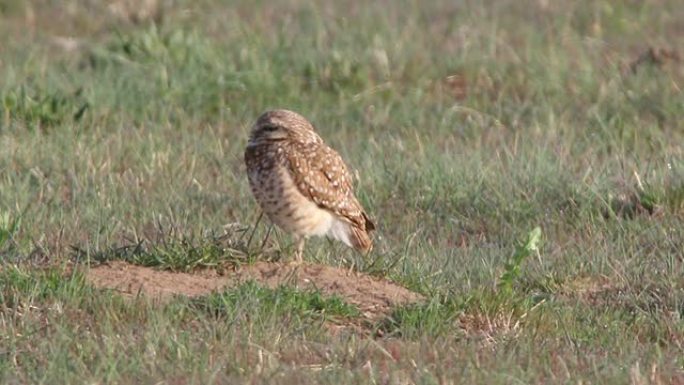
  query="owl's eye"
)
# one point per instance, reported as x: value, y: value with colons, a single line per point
x: 270, y: 128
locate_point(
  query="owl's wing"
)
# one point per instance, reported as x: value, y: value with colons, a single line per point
x: 321, y: 175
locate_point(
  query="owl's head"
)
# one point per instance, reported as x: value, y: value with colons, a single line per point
x: 278, y: 125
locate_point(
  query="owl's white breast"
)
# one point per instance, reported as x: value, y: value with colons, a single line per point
x: 290, y: 210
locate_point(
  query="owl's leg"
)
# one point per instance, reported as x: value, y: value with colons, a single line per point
x: 299, y: 250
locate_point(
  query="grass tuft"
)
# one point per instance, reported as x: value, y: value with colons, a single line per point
x: 252, y: 303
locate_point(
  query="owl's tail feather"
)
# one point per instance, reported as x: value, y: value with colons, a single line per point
x: 370, y: 226
x: 354, y: 234
x: 360, y: 239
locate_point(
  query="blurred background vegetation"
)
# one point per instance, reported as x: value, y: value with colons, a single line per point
x: 468, y: 123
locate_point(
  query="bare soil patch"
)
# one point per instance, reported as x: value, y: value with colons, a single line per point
x: 373, y: 296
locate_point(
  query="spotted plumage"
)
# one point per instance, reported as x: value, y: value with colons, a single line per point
x: 303, y: 185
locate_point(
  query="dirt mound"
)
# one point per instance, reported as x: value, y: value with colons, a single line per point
x: 373, y: 296
x: 131, y: 280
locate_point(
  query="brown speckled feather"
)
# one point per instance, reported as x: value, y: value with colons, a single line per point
x: 320, y: 174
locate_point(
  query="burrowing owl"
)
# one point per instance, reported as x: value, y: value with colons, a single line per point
x: 303, y: 185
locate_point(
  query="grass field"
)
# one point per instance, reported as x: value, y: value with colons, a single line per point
x: 122, y: 129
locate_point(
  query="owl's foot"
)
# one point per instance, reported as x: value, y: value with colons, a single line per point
x: 294, y: 265
x: 299, y: 252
